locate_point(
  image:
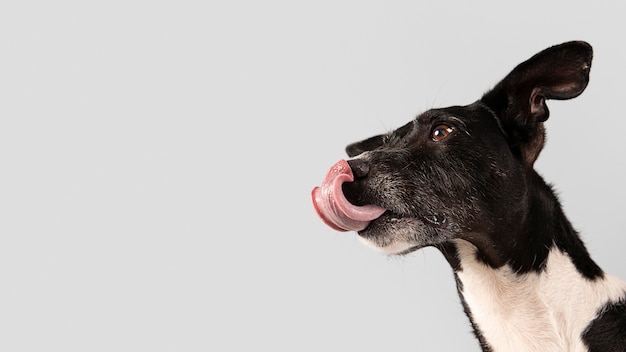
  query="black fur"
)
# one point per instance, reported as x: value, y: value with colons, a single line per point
x: 607, y: 333
x: 479, y: 183
x: 466, y: 172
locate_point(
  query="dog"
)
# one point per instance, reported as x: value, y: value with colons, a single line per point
x: 461, y: 179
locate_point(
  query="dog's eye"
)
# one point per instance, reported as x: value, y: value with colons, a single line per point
x: 441, y: 132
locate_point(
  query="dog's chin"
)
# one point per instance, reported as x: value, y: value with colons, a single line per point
x: 394, y: 235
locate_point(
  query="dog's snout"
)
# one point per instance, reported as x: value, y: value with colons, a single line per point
x: 360, y: 168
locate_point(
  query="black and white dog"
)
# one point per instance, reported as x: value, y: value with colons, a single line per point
x: 461, y: 179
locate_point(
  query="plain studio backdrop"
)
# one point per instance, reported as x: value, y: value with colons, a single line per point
x: 157, y: 158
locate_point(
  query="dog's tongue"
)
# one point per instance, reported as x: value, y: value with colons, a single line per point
x: 333, y: 207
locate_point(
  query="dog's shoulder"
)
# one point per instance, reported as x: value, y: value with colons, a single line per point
x: 607, y: 332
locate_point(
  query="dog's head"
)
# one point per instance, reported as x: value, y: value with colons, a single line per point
x: 456, y: 172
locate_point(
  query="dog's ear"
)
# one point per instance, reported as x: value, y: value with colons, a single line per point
x: 519, y: 100
x: 371, y: 143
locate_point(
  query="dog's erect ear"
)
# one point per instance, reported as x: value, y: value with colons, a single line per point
x: 371, y: 143
x: 519, y: 100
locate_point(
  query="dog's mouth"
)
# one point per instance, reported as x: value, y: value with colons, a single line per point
x: 334, y: 209
x: 394, y: 231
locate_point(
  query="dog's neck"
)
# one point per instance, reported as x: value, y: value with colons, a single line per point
x: 535, y: 289
x: 537, y: 225
x: 535, y: 311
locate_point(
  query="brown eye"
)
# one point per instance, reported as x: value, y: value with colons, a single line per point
x: 441, y: 132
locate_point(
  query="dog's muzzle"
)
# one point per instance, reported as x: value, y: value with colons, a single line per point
x: 332, y: 206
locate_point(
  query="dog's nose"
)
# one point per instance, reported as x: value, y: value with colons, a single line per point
x: 360, y: 168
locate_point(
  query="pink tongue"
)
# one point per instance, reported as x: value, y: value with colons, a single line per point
x: 333, y: 207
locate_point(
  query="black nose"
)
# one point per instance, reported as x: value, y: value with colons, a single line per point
x: 360, y: 168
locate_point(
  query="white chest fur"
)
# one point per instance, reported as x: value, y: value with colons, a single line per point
x: 548, y: 311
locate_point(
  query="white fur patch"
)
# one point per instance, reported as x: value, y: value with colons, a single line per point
x: 394, y: 248
x: 548, y: 311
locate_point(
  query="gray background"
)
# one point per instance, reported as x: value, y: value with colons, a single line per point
x: 157, y: 159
